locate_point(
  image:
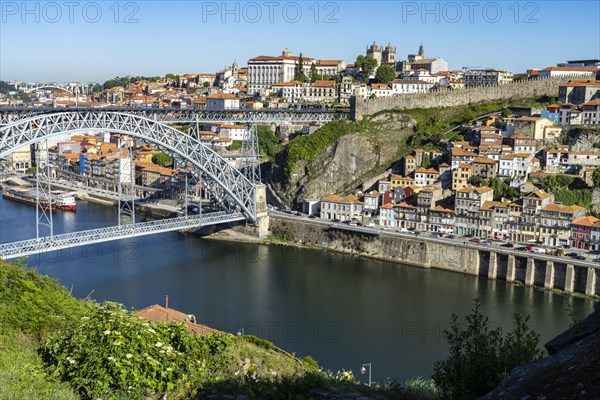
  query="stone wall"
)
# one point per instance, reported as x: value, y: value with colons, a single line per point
x: 530, y: 269
x: 511, y: 91
x: 406, y: 250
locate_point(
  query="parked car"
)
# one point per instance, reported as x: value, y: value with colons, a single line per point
x: 403, y: 230
x: 597, y: 260
x: 450, y: 236
x: 475, y: 240
x: 509, y: 245
x: 347, y: 222
x: 529, y: 248
x: 312, y: 216
x: 580, y: 258
x: 539, y: 250
x: 436, y: 234
x: 572, y: 255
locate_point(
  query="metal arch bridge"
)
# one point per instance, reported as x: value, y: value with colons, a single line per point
x: 68, y: 240
x: 42, y: 87
x: 192, y: 115
x: 229, y: 186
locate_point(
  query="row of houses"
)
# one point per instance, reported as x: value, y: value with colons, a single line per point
x: 533, y: 218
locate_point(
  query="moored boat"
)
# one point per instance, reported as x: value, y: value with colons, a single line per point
x: 58, y: 199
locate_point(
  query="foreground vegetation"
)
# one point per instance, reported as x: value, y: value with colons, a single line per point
x: 57, y: 347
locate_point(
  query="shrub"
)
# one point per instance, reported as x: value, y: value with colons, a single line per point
x: 308, y: 147
x: 111, y: 354
x: 480, y: 356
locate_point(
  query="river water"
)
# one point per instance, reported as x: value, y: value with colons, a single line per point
x: 341, y: 310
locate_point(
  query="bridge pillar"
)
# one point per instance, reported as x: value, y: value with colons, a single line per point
x: 590, y: 283
x: 510, y: 268
x: 262, y: 216
x: 493, y: 266
x: 570, y: 279
x: 530, y: 272
x: 549, y: 281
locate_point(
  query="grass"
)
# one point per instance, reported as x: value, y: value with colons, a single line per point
x: 21, y: 373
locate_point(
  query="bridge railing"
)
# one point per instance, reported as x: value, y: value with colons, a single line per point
x: 65, y: 240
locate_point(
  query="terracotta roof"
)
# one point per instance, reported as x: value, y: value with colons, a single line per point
x: 329, y: 62
x: 518, y: 136
x: 440, y: 208
x: 540, y: 194
x: 458, y: 152
x: 229, y: 126
x: 271, y: 58
x: 292, y: 83
x: 576, y: 69
x: 562, y: 208
x: 156, y: 313
x: 405, y: 205
x: 324, y: 83
x: 586, y: 221
x: 464, y: 166
x: 339, y: 199
x: 226, y: 96
x: 422, y: 170
x: 488, y: 205
x: 484, y: 160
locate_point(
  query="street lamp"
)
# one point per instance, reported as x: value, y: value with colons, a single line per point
x: 241, y: 332
x: 363, y: 370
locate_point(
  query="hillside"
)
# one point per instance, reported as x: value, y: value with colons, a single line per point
x: 340, y: 156
x: 58, y: 348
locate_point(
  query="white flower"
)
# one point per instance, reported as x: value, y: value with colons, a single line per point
x: 151, y: 330
x: 111, y: 358
x: 107, y: 332
x: 158, y: 344
x: 129, y: 355
x: 169, y: 369
x: 162, y: 352
x: 71, y: 360
x: 117, y: 343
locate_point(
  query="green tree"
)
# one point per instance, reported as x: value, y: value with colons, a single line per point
x: 596, y: 178
x: 299, y: 70
x: 480, y: 356
x: 162, y: 159
x: 170, y: 76
x: 314, y: 76
x: 426, y: 160
x: 506, y: 112
x: 478, y: 181
x: 385, y: 73
x: 367, y: 65
x: 556, y: 182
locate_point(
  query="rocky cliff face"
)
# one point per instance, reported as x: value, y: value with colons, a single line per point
x: 582, y: 138
x: 570, y: 371
x: 346, y: 163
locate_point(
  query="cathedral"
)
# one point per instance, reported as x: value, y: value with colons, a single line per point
x: 383, y: 55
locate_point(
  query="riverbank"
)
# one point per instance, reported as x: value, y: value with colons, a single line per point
x: 560, y: 276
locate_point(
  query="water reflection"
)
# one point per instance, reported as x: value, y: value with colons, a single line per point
x: 340, y: 309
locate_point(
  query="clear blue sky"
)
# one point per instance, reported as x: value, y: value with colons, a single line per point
x: 91, y: 41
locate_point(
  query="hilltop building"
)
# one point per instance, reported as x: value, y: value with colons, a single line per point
x: 419, y: 61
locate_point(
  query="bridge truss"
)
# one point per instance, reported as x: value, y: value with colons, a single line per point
x: 194, y: 115
x: 68, y: 240
x: 229, y: 186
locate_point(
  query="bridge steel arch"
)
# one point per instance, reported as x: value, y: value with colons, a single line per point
x: 234, y: 184
x: 36, y: 88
